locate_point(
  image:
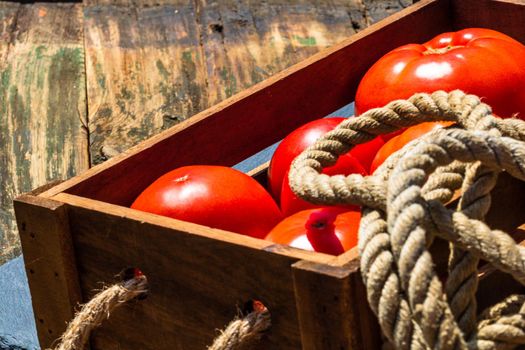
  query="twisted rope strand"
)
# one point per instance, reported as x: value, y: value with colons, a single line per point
x: 407, y: 216
x: 304, y: 176
x: 475, y: 202
x: 98, y: 309
x: 463, y: 266
x: 244, y: 331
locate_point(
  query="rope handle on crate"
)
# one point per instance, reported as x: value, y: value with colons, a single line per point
x: 239, y: 333
x: 403, y: 209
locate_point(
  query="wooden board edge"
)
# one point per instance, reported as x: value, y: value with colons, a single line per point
x: 190, y: 228
x: 332, y: 308
x: 259, y: 170
x: 50, y: 264
x: 258, y: 88
x: 346, y: 258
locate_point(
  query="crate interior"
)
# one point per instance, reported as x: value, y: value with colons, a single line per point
x: 257, y: 118
x: 239, y: 127
x: 249, y: 122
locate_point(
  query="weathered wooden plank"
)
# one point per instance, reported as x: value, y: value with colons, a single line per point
x: 376, y: 10
x: 42, y: 104
x: 144, y: 72
x: 332, y: 307
x: 246, y: 42
x: 197, y: 277
x: 152, y: 65
x: 50, y: 264
x: 8, y: 241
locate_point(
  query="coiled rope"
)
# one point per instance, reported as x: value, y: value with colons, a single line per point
x: 404, y: 208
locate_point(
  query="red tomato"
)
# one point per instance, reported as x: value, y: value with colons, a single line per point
x: 478, y: 61
x: 366, y: 152
x: 299, y: 139
x: 326, y: 230
x: 214, y: 196
x: 397, y: 142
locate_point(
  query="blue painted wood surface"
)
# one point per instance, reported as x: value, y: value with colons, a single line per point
x: 17, y: 326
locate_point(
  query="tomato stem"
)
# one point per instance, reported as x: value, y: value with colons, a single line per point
x: 320, y: 231
x: 440, y: 50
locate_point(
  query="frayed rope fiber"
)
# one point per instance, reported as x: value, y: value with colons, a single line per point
x: 404, y: 208
x: 98, y: 309
x: 244, y: 331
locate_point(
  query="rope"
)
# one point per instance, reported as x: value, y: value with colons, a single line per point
x: 245, y: 331
x: 239, y: 334
x: 98, y: 309
x: 404, y: 208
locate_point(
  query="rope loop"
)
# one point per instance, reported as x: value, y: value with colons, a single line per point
x: 98, y: 309
x: 404, y: 208
x: 240, y: 333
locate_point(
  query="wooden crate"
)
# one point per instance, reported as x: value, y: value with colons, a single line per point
x: 80, y: 232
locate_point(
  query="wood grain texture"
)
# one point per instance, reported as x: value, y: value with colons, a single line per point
x: 150, y: 65
x: 246, y: 42
x: 332, y: 307
x: 8, y: 12
x: 50, y: 264
x: 378, y: 9
x: 42, y: 104
x: 196, y: 283
x: 144, y: 70
x: 506, y: 16
x: 194, y: 229
x: 9, y: 246
x: 205, y: 139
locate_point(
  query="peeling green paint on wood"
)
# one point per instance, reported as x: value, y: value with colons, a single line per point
x: 9, y: 246
x: 43, y: 107
x: 307, y: 41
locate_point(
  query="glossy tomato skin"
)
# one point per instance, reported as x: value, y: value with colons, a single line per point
x: 366, y: 152
x: 327, y: 230
x: 397, y: 142
x: 213, y: 196
x: 303, y: 137
x: 478, y: 61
